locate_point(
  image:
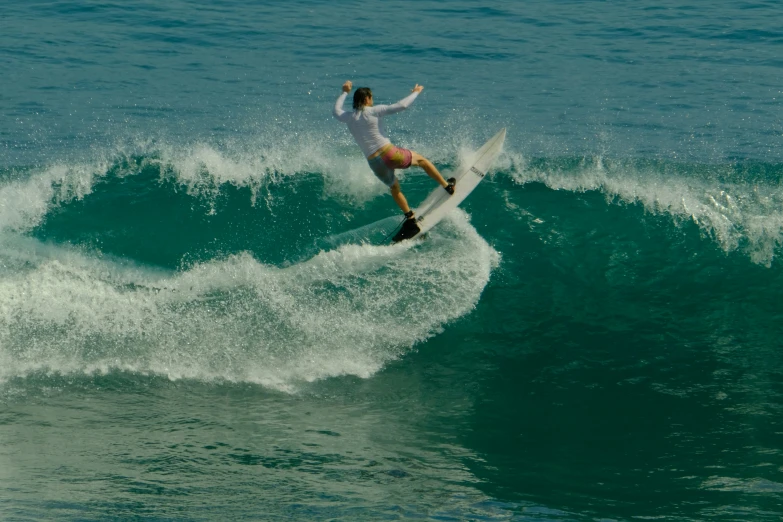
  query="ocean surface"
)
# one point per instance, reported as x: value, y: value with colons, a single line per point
x: 193, y: 325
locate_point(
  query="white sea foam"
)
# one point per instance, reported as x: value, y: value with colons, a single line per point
x: 257, y: 164
x: 273, y: 158
x: 346, y: 311
x: 203, y: 169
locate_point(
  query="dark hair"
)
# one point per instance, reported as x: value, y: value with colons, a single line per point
x: 360, y: 97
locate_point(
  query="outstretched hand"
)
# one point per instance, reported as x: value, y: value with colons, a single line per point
x: 347, y: 86
x: 418, y: 88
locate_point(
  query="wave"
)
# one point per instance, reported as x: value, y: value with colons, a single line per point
x: 739, y: 205
x: 736, y: 205
x: 205, y: 263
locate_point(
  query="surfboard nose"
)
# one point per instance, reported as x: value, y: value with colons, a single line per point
x: 439, y: 203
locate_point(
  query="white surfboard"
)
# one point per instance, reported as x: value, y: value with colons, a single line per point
x: 439, y: 203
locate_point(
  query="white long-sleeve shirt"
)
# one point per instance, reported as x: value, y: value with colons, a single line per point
x: 365, y: 124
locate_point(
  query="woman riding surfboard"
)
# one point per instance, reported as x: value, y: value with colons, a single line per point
x: 384, y: 158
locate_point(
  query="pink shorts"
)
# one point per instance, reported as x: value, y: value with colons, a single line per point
x: 397, y: 158
x: 393, y: 158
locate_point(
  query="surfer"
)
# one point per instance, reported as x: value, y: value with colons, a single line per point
x: 367, y: 129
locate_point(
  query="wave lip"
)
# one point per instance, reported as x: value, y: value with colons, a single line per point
x: 27, y: 200
x: 739, y: 209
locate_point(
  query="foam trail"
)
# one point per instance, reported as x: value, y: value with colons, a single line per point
x: 345, y: 311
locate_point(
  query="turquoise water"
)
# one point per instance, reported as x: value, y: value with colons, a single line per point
x: 190, y: 328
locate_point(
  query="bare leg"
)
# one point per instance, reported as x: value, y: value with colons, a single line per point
x: 399, y: 198
x: 420, y: 161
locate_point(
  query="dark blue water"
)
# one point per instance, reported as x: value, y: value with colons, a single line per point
x: 190, y: 328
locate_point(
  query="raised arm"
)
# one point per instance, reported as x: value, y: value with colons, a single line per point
x: 383, y: 110
x: 338, y: 111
